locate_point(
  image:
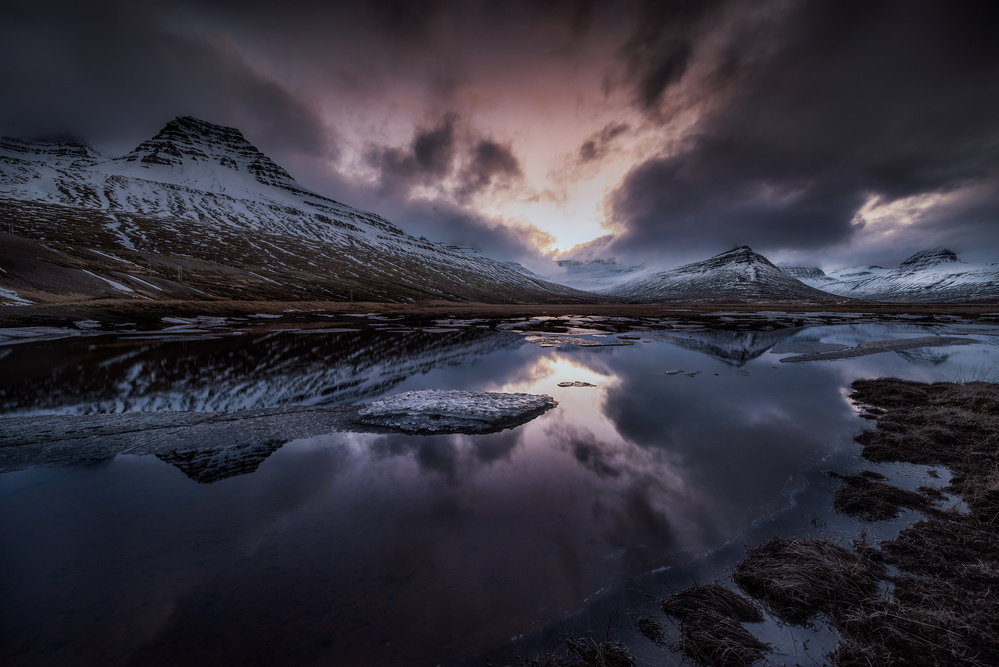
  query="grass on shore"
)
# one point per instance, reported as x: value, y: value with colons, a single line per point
x: 711, y: 629
x: 928, y: 597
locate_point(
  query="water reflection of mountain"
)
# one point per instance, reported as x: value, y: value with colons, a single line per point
x: 211, y: 465
x: 735, y: 348
x: 924, y: 356
x: 229, y: 373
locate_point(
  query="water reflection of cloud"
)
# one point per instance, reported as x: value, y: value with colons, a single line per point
x: 372, y: 548
x: 453, y: 457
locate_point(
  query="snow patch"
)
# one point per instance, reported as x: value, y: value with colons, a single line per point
x: 453, y: 411
x: 13, y: 297
x: 112, y: 283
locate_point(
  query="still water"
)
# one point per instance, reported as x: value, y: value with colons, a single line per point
x: 361, y: 549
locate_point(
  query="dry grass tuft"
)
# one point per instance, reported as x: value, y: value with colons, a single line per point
x: 928, y: 621
x: 949, y: 424
x: 712, y: 597
x: 586, y: 653
x: 712, y: 638
x: 873, y: 500
x: 943, y: 607
x: 797, y: 579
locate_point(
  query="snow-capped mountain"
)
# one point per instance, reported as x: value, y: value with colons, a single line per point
x: 198, y: 209
x: 929, y: 275
x: 739, y: 274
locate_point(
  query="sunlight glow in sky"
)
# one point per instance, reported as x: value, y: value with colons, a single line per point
x: 650, y: 130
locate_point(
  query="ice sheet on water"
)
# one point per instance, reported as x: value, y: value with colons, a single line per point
x: 453, y: 411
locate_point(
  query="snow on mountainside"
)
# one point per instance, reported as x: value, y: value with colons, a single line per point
x: 198, y: 210
x: 595, y: 275
x: 929, y: 275
x: 737, y: 274
x: 812, y: 276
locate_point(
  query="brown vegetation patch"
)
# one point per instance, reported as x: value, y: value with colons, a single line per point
x: 712, y: 638
x: 714, y: 598
x: 710, y: 629
x: 586, y: 653
x: 873, y: 500
x: 943, y: 606
x: 927, y: 621
x: 945, y: 423
x: 796, y: 579
x: 954, y: 546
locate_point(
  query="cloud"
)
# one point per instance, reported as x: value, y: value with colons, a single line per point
x: 492, y: 166
x: 661, y: 45
x: 598, y: 145
x: 767, y: 123
x: 115, y: 75
x: 428, y: 160
x: 449, y: 222
x: 855, y: 100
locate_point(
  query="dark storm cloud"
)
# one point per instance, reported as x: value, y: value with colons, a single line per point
x: 436, y: 153
x: 591, y: 453
x: 454, y: 164
x: 427, y: 160
x: 856, y: 99
x: 111, y: 73
x: 411, y: 22
x: 659, y: 49
x: 492, y: 165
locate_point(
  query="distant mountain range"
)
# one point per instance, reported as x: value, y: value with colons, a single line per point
x: 738, y: 274
x: 935, y: 275
x: 197, y: 212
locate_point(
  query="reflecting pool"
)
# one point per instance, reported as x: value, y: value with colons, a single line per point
x: 360, y: 549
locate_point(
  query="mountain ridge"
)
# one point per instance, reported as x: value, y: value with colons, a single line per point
x: 930, y: 275
x: 736, y: 274
x: 197, y: 209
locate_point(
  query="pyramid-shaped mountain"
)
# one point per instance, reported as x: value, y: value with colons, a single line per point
x: 738, y: 274
x: 198, y: 212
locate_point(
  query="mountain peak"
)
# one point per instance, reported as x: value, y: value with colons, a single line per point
x: 187, y: 140
x: 190, y: 126
x: 742, y: 255
x: 927, y: 258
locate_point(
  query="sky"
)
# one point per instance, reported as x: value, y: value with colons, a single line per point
x: 819, y: 132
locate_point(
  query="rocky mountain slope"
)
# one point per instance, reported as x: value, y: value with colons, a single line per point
x: 738, y: 274
x: 935, y: 275
x: 198, y: 212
